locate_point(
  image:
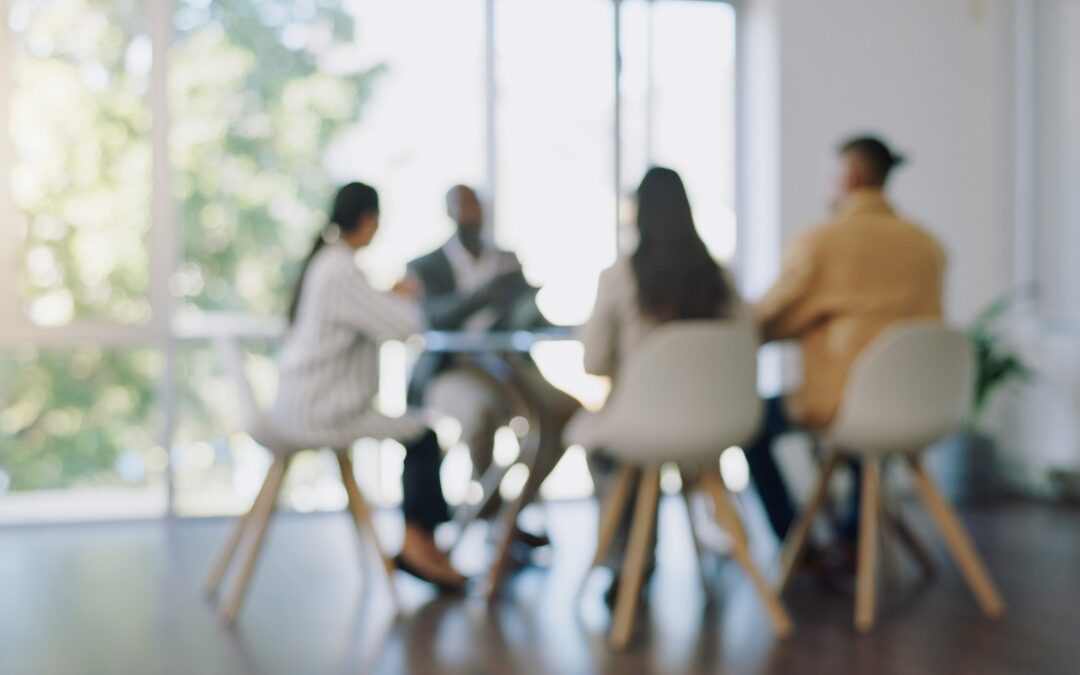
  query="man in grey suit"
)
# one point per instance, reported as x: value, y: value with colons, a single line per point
x: 470, y: 285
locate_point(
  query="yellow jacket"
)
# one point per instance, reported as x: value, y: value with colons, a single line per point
x: 842, y: 284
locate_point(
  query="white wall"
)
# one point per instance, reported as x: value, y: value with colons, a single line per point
x: 928, y: 76
x: 1041, y: 421
x: 938, y: 79
x: 1055, y: 113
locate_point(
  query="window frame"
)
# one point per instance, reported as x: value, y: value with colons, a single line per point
x: 165, y: 331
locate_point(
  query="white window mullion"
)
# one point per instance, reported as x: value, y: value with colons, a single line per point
x: 10, y: 316
x: 490, y: 130
x: 1025, y: 144
x: 163, y: 240
x: 617, y: 125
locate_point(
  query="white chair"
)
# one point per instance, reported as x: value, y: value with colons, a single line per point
x: 253, y: 524
x: 687, y: 395
x: 909, y: 389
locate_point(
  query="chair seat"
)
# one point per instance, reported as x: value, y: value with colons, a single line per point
x: 689, y: 393
x: 909, y: 389
x: 652, y: 441
x: 266, y: 434
x: 879, y: 437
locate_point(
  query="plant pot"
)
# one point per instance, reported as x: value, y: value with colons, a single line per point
x: 965, y: 467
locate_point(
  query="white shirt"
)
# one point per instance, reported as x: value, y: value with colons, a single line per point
x: 471, y: 273
x: 329, y: 365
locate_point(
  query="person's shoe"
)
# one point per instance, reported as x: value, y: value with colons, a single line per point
x: 835, y: 566
x: 532, y: 540
x: 446, y: 582
x: 521, y: 537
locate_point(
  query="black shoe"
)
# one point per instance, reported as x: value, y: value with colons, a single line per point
x: 443, y: 586
x: 532, y: 540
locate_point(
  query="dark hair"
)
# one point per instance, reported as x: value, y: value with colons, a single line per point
x: 876, y: 154
x: 676, y: 276
x: 352, y: 201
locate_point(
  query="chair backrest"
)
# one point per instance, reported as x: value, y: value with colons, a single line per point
x: 688, y: 393
x: 253, y: 420
x: 910, y: 388
x: 234, y: 359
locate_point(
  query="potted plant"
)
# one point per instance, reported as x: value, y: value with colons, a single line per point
x: 995, y: 363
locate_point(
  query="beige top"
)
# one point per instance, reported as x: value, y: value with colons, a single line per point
x: 843, y: 283
x: 617, y: 326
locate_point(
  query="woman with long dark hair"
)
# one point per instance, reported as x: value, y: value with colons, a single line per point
x: 328, y: 372
x: 670, y: 277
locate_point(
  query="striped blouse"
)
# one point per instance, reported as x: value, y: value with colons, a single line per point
x: 328, y: 368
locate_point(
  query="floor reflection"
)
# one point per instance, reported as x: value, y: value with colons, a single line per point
x: 126, y: 598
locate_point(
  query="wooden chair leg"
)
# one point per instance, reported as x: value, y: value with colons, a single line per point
x: 361, y: 516
x: 637, y: 554
x: 800, y: 532
x: 713, y: 483
x: 865, y: 583
x: 228, y: 551
x: 260, y: 519
x: 725, y: 513
x: 613, y: 510
x: 958, y: 542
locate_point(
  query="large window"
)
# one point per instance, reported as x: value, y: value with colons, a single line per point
x: 554, y: 189
x: 678, y: 88
x: 165, y: 166
x: 80, y: 159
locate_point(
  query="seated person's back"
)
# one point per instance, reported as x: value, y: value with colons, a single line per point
x: 670, y: 277
x: 619, y: 326
x: 843, y: 283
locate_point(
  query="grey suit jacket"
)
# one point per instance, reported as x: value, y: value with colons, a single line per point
x: 448, y: 308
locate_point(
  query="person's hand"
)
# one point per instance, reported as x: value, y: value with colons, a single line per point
x: 409, y: 287
x: 504, y: 288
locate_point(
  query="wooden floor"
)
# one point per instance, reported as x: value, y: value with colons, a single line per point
x: 123, y: 598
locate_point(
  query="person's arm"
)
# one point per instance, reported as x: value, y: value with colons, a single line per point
x: 450, y: 311
x: 381, y: 316
x: 785, y: 311
x: 447, y: 311
x: 600, y: 333
x: 738, y: 310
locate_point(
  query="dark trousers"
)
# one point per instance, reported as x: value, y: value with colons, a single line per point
x: 770, y: 485
x: 766, y: 474
x: 423, y: 503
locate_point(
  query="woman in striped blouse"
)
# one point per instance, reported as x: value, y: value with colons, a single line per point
x: 328, y: 372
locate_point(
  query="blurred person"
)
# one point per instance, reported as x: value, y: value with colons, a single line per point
x: 842, y: 283
x: 470, y: 285
x: 671, y: 276
x: 328, y: 372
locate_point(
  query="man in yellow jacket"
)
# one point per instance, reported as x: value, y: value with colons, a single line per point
x: 842, y: 283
